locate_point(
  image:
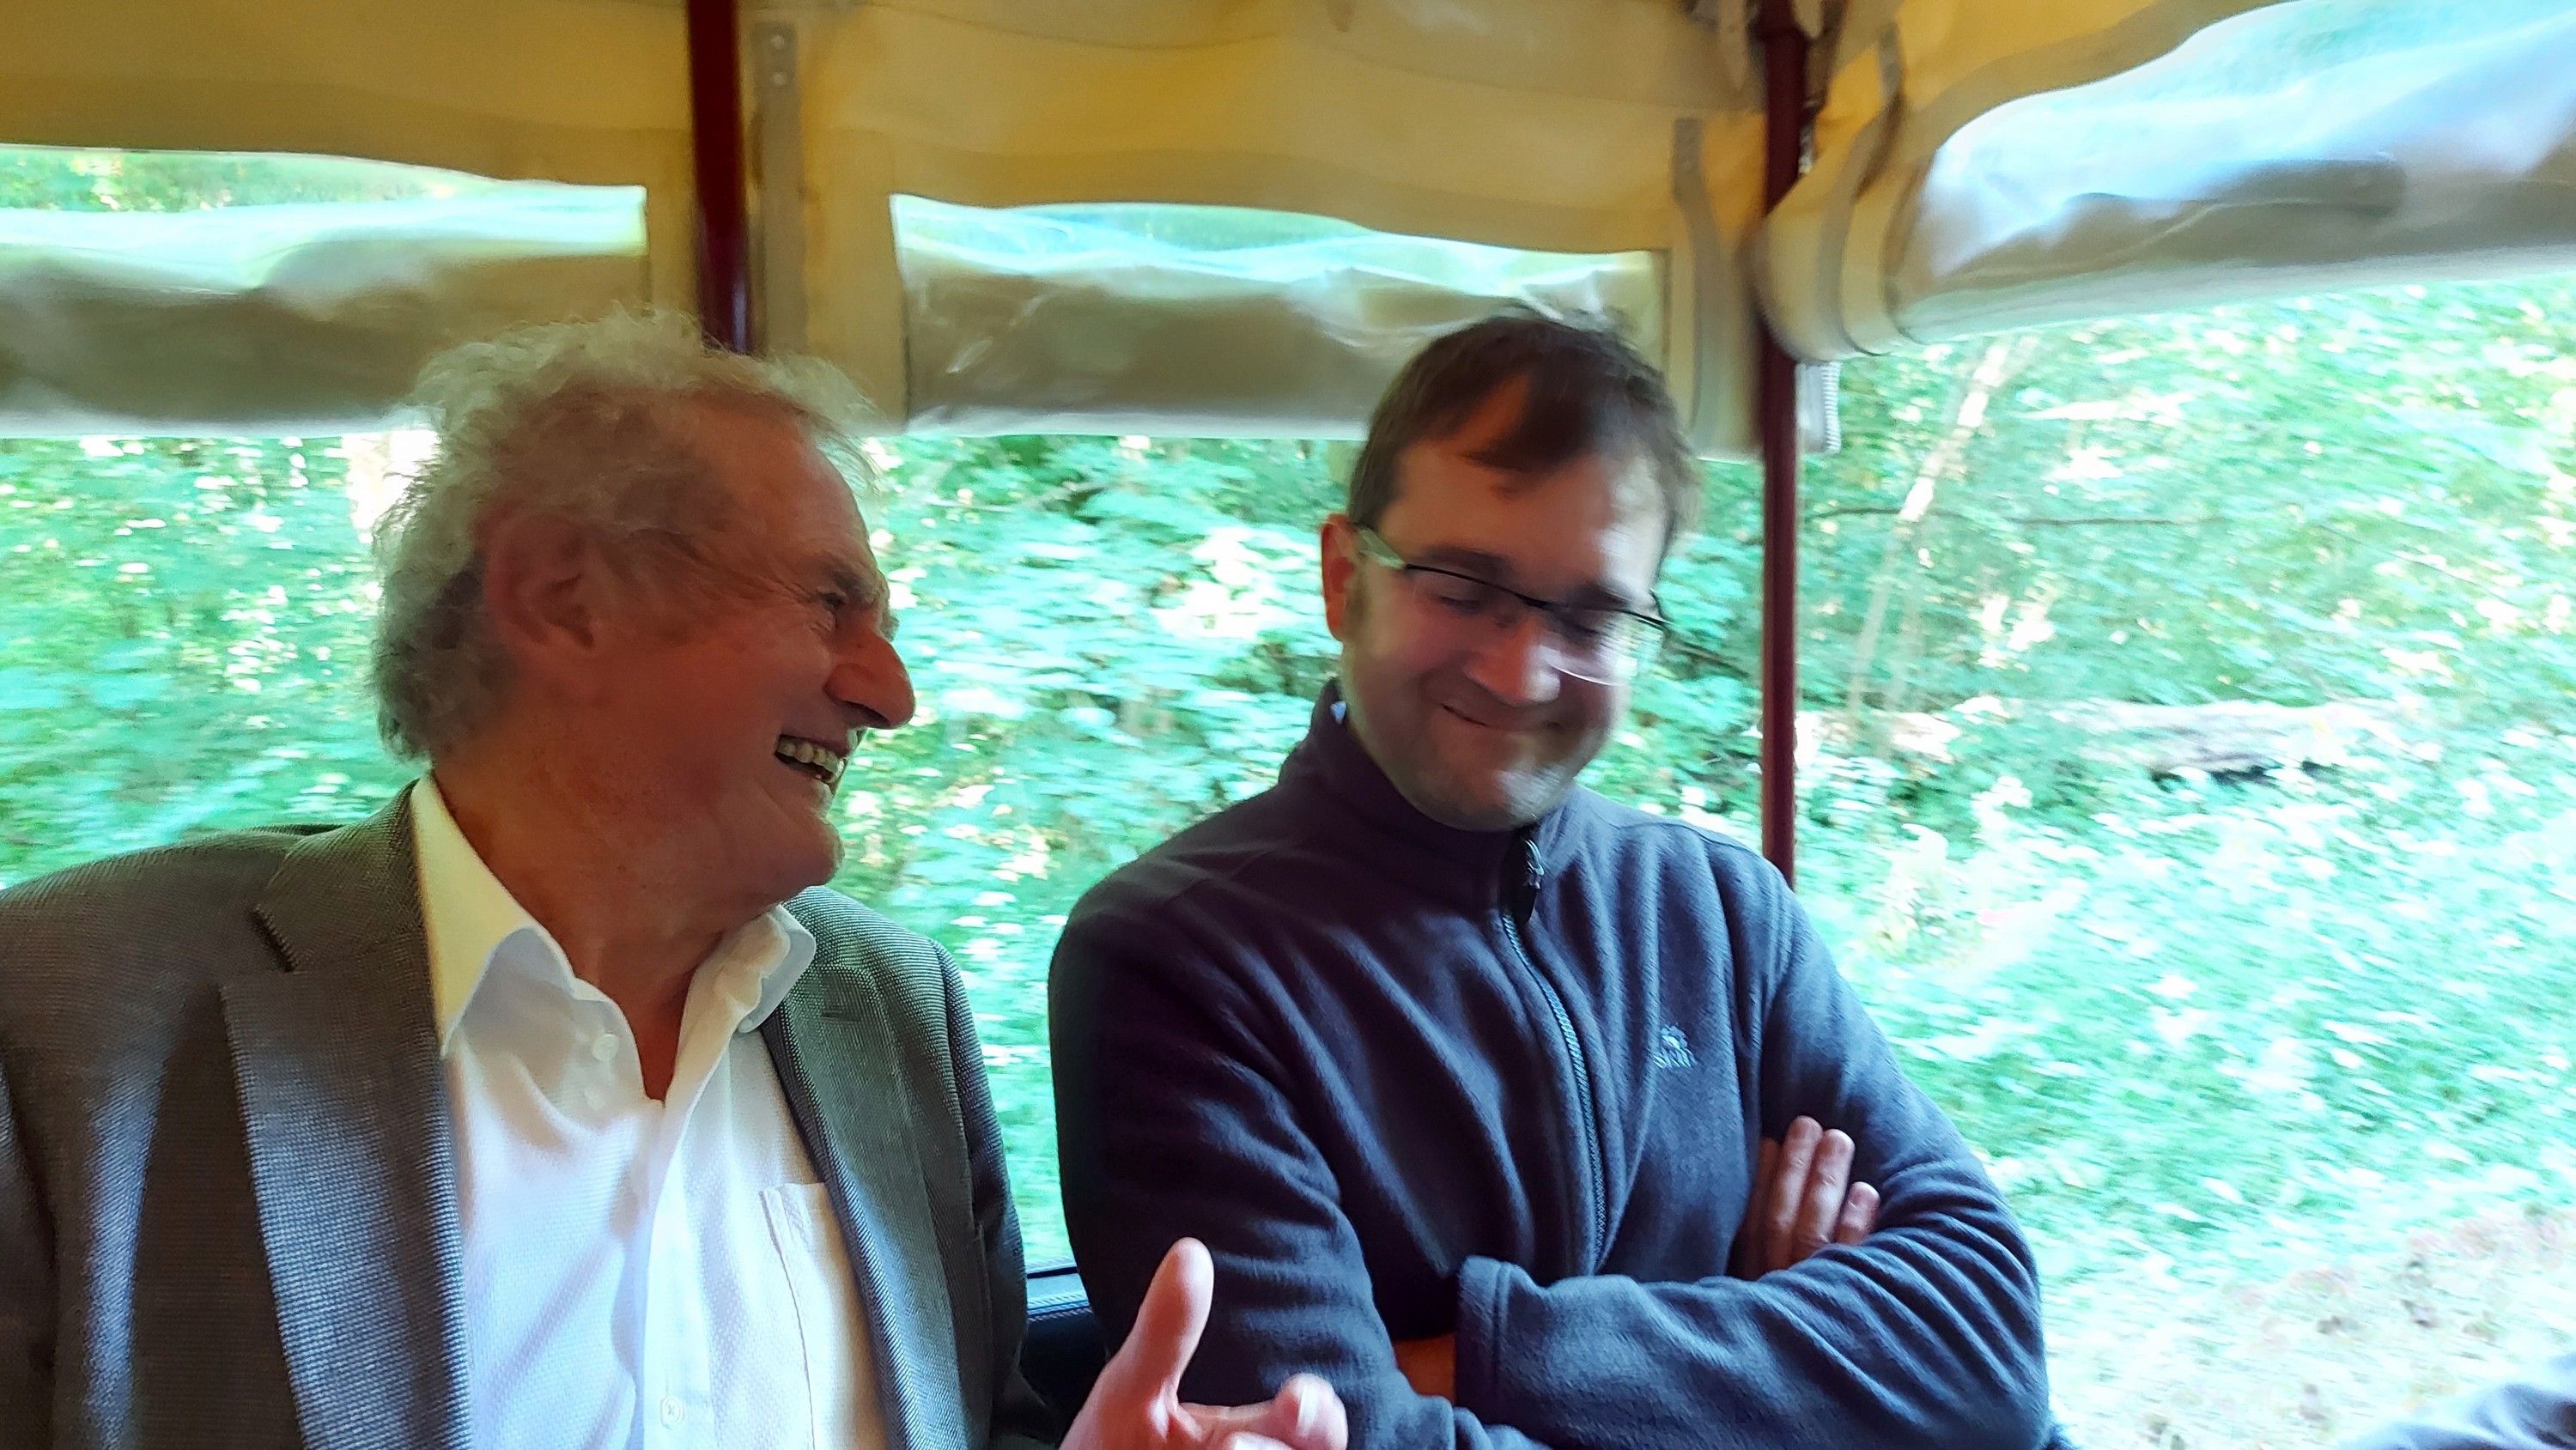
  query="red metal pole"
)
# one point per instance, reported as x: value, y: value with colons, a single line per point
x: 715, y: 140
x: 1784, y: 49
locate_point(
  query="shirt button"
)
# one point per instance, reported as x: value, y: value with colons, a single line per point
x: 673, y: 1412
x: 603, y: 1047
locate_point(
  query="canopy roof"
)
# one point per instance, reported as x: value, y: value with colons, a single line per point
x: 1975, y: 166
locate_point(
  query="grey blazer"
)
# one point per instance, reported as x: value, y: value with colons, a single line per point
x: 228, y: 1175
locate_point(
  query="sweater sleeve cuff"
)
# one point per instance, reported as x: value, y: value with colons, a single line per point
x: 1484, y: 1288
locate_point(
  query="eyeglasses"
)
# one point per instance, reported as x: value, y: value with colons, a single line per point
x: 1601, y: 643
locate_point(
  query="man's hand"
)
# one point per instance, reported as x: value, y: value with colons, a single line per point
x: 1430, y: 1365
x: 1136, y: 1402
x: 1803, y: 1199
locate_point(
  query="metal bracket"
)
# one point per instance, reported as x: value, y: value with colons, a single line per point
x: 778, y: 118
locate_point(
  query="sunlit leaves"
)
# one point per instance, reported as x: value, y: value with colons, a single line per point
x: 186, y: 653
x: 2165, y: 1009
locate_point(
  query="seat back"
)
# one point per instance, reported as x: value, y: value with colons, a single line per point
x: 1062, y: 1353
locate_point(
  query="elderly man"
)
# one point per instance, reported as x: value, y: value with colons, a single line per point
x: 555, y: 1105
x: 1496, y: 1102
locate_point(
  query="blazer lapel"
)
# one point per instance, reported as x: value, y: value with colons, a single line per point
x: 840, y: 1066
x: 352, y: 1155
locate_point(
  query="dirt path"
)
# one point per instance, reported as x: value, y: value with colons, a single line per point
x: 2321, y: 1355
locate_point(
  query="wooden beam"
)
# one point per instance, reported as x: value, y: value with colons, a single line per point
x: 715, y: 141
x: 1784, y: 50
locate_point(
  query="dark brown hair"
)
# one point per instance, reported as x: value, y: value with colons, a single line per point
x: 1587, y: 393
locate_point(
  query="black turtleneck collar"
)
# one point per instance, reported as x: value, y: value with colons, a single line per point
x: 1473, y: 870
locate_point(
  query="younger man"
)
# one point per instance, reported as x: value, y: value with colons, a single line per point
x: 1467, y: 1075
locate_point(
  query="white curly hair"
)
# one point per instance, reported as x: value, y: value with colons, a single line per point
x: 574, y: 420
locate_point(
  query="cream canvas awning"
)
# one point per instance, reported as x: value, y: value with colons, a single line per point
x: 2182, y: 158
x: 1974, y: 166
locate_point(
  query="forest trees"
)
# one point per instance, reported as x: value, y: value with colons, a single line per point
x: 2244, y: 1011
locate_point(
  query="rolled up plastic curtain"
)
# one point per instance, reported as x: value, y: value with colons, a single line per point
x: 308, y: 318
x: 294, y: 319
x: 1044, y: 321
x: 1514, y: 124
x: 2305, y: 147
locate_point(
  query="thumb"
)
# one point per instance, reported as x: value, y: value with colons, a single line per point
x: 1168, y: 1325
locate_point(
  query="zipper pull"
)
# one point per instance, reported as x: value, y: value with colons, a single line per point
x: 1528, y: 871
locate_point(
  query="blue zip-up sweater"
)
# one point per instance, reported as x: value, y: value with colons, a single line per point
x: 1407, y: 1080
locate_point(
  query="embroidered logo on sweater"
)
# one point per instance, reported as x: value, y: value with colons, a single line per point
x: 1672, y: 1049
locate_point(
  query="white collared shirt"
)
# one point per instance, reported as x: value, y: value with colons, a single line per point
x: 638, y: 1275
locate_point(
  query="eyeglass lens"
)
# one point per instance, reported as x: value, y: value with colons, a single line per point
x: 1604, y: 645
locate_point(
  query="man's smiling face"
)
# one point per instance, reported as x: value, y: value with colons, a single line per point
x: 740, y: 705
x: 1482, y: 730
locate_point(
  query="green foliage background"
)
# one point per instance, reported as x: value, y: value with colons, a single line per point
x: 2188, y: 1020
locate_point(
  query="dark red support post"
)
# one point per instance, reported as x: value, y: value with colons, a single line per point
x: 715, y: 139
x: 1784, y: 50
